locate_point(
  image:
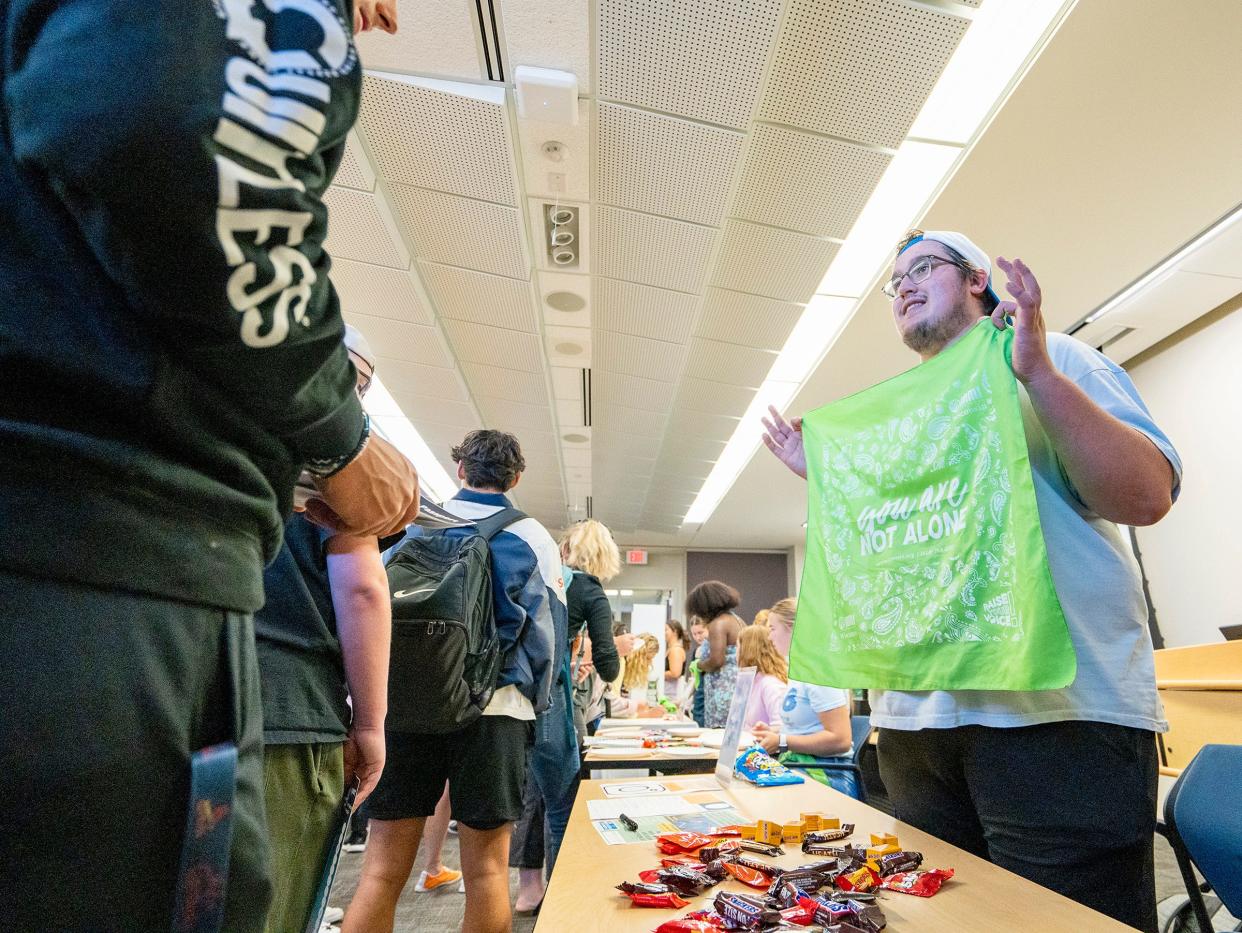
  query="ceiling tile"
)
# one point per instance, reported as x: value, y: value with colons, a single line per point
x: 360, y: 227
x: 423, y: 409
x: 495, y: 382
x: 399, y: 340
x: 807, y: 182
x: 652, y: 250
x: 423, y: 134
x: 494, y: 346
x: 413, y: 379
x: 355, y: 170
x: 634, y: 391
x: 858, y: 69
x: 463, y: 232
x: 713, y: 397
x: 638, y: 356
x: 729, y: 363
x: 514, y: 417
x: 662, y: 165
x: 436, y: 37
x: 702, y: 424
x: 749, y: 320
x: 626, y: 308
x: 703, y: 60
x: 477, y: 296
x: 628, y: 420
x: 378, y: 291
x: 697, y: 448
x: 771, y: 262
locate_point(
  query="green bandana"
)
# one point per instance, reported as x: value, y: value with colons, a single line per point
x: 925, y: 562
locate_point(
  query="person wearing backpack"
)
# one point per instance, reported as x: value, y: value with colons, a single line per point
x: 456, y: 618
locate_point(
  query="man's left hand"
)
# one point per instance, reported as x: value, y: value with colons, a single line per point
x: 1031, y: 362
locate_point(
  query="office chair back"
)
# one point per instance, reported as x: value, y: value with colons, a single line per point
x: 1204, y: 816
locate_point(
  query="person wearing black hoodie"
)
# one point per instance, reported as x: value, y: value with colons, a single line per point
x: 170, y: 361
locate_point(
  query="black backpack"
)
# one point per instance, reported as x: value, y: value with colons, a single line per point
x: 445, y: 653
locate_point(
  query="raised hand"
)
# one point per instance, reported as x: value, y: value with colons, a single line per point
x: 1030, y: 343
x: 784, y: 438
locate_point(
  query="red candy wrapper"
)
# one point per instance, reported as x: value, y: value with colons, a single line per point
x: 748, y: 876
x: 679, y: 843
x: 688, y: 860
x: 919, y: 883
x: 800, y: 914
x: 864, y: 879
x: 650, y: 876
x: 667, y: 899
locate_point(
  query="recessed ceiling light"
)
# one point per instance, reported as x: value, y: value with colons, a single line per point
x: 565, y: 301
x: 576, y: 438
x: 568, y: 349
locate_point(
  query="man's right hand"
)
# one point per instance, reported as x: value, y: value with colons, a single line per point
x: 784, y: 438
x: 375, y: 495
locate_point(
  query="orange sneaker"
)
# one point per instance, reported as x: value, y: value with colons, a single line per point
x: 428, y: 882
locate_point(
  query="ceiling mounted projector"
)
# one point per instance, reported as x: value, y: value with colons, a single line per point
x: 546, y: 95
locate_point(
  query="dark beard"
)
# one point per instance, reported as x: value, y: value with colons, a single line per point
x: 927, y: 338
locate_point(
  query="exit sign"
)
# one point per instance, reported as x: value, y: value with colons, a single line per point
x: 636, y: 557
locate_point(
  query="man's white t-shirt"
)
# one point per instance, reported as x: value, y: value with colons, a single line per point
x: 1097, y: 580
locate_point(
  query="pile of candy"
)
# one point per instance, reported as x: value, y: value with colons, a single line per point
x: 834, y: 894
x: 762, y: 770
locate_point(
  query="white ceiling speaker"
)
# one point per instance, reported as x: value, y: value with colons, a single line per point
x: 565, y: 301
x: 546, y: 95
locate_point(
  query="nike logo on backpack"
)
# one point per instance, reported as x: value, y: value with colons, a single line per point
x: 401, y: 594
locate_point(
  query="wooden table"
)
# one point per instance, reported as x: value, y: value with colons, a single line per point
x: 980, y: 898
x: 657, y: 761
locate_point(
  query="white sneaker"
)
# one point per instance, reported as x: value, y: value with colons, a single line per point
x: 461, y: 886
x: 333, y: 915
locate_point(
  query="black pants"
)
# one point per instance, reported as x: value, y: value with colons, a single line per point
x: 106, y: 696
x: 1069, y: 805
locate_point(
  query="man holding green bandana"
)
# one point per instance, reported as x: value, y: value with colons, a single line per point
x: 1057, y: 785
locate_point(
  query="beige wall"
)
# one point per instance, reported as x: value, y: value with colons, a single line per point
x: 665, y: 570
x: 1192, y: 382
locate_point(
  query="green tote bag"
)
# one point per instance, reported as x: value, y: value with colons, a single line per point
x: 925, y: 564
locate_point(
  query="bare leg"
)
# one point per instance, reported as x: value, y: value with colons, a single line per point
x: 391, y: 849
x: 434, y: 834
x: 485, y: 862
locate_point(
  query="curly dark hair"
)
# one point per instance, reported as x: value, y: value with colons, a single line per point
x: 710, y: 599
x: 492, y: 459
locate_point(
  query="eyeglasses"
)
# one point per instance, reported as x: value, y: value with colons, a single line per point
x: 919, y: 272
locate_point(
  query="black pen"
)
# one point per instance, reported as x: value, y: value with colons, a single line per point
x: 628, y: 823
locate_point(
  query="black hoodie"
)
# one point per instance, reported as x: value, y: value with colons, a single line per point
x: 170, y: 346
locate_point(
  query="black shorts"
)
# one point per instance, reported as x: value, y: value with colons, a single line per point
x: 484, y: 764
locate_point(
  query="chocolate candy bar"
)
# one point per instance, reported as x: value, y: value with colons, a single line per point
x: 757, y: 865
x: 898, y: 861
x: 806, y: 879
x: 828, y: 835
x: 870, y: 917
x: 642, y: 887
x: 761, y: 848
x: 783, y: 894
x: 684, y: 880
x: 830, y: 912
x: 748, y: 912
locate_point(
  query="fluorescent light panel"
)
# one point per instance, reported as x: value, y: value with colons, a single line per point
x: 386, y: 415
x: 996, y: 48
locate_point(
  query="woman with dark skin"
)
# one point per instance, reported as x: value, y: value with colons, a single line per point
x: 717, y: 656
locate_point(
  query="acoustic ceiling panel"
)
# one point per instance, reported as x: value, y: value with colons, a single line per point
x: 441, y: 438
x: 399, y: 340
x: 715, y: 398
x: 466, y: 295
x: 495, y: 382
x: 665, y: 484
x: 495, y: 346
x: 626, y: 308
x: 528, y: 24
x: 355, y: 169
x: 701, y: 424
x: 436, y: 37
x: 638, y: 356
x: 662, y: 165
x: 649, y: 394
x: 414, y: 379
x: 613, y: 445
x: 807, y: 182
x: 774, y: 263
x: 359, y: 227
x: 423, y: 134
x: 729, y: 363
x: 858, y: 69
x: 629, y: 420
x: 749, y: 320
x: 703, y: 60
x: 651, y: 250
x: 378, y: 291
x: 506, y: 415
x: 697, y: 448
x: 424, y: 409
x: 684, y: 465
x: 463, y: 232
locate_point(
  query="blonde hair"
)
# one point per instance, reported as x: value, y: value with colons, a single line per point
x: 755, y: 649
x: 761, y: 617
x: 588, y: 546
x: 786, y: 608
x: 638, y: 661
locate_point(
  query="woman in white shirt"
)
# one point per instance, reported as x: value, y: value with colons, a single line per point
x: 815, y: 721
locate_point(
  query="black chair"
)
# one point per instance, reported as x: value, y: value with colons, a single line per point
x: 1203, y: 823
x: 860, y: 732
